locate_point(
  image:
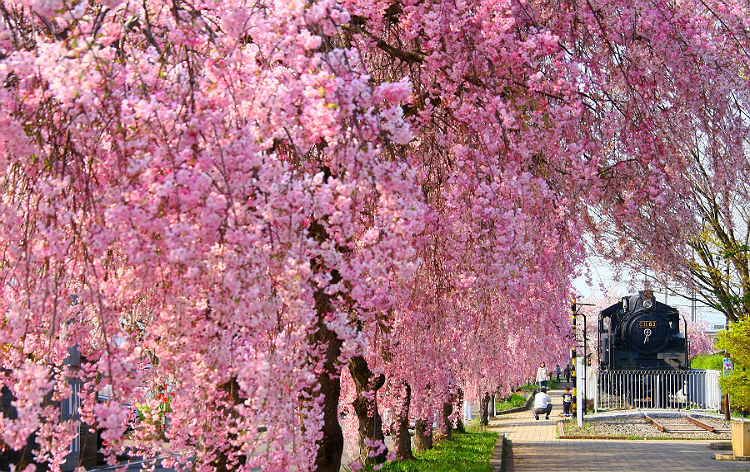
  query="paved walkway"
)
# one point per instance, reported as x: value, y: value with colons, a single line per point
x: 535, y: 449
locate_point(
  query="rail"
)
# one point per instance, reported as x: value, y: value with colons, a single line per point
x: 700, y: 423
x: 658, y: 425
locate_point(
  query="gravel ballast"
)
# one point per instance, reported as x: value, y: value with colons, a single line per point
x: 635, y: 426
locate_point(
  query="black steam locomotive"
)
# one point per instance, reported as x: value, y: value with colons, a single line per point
x: 640, y: 333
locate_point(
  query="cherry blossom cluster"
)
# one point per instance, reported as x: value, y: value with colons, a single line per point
x: 229, y: 201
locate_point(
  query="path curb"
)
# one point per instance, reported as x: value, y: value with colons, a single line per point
x: 721, y: 445
x: 497, y: 454
x: 730, y: 457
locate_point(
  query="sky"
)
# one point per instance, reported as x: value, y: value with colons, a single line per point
x: 603, y: 279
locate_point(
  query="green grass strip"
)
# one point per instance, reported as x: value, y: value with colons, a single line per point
x: 464, y: 452
x: 513, y: 401
x: 551, y: 385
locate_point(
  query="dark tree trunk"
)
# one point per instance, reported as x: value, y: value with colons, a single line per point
x: 484, y: 410
x: 443, y: 430
x: 460, y: 405
x: 422, y: 435
x: 446, y: 416
x: 402, y: 439
x: 331, y: 445
x: 366, y: 408
x: 223, y: 462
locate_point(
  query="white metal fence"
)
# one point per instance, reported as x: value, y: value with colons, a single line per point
x: 681, y: 390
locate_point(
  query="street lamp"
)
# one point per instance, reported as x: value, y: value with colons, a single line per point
x: 585, y: 355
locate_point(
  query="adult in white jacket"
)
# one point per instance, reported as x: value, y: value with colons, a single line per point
x: 542, y: 375
x: 542, y: 404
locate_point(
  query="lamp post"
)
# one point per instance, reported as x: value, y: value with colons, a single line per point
x: 575, y: 314
x: 585, y: 367
x: 574, y: 310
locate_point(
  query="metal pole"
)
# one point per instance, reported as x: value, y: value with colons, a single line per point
x: 574, y: 310
x: 596, y: 392
x: 726, y: 412
x: 579, y: 407
x: 687, y: 345
x: 585, y: 368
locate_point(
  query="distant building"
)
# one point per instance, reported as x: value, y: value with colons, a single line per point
x: 712, y: 331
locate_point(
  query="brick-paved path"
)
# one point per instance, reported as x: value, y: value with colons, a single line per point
x: 535, y: 449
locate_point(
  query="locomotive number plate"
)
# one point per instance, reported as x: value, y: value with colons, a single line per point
x: 647, y: 324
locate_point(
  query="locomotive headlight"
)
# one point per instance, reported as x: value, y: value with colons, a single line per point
x: 625, y: 304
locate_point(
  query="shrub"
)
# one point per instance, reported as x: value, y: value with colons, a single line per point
x: 736, y: 341
x: 707, y: 361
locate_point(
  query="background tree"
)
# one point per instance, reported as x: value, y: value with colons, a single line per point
x: 692, y: 237
x: 736, y: 342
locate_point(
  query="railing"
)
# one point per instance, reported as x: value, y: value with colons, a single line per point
x: 669, y: 389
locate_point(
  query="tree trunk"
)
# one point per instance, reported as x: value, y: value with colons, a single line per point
x: 331, y: 445
x: 422, y: 435
x: 443, y: 430
x: 484, y: 410
x: 447, y: 411
x: 223, y: 463
x: 366, y: 408
x: 402, y: 438
x: 460, y: 405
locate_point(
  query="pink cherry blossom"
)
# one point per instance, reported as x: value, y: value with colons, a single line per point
x: 232, y: 202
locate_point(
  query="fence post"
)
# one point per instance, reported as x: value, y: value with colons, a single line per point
x: 596, y: 392
x: 658, y: 394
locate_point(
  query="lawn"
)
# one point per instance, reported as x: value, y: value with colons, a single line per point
x: 551, y: 385
x: 513, y: 401
x: 464, y: 452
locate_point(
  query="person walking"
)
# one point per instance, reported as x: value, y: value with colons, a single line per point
x: 557, y: 372
x: 542, y: 375
x: 567, y: 373
x: 542, y: 404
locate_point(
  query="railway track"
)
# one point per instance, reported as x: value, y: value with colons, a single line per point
x: 679, y: 425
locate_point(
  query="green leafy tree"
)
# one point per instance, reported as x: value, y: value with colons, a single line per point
x: 736, y: 341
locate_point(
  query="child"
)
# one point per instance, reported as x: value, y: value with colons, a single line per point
x: 567, y: 399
